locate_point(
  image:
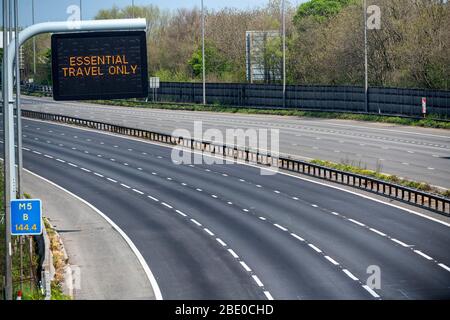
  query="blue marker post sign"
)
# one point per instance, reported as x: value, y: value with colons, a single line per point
x: 26, y: 217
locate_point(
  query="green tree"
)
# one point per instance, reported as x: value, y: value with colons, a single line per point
x: 216, y: 63
x: 43, y: 67
x: 320, y: 9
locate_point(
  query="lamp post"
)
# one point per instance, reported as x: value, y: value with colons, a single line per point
x: 366, y: 67
x: 283, y: 8
x: 203, y: 54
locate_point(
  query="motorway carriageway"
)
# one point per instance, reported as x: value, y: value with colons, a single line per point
x: 419, y: 154
x: 226, y: 232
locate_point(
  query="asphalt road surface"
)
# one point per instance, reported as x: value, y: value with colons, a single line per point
x: 414, y: 153
x: 226, y: 232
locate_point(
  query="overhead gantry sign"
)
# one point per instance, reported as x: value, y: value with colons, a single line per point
x: 99, y: 65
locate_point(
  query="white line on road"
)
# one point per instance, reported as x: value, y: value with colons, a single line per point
x: 245, y: 266
x: 221, y: 242
x: 268, y: 295
x: 400, y: 243
x: 378, y: 232
x: 196, y: 222
x: 423, y: 255
x: 233, y: 253
x: 112, y: 180
x: 350, y: 275
x: 315, y: 248
x: 167, y: 205
x: 444, y: 266
x: 181, y: 213
x: 280, y: 227
x: 357, y: 222
x: 130, y: 243
x: 373, y: 293
x: 153, y: 198
x: 258, y: 282
x: 138, y: 191
x: 332, y: 260
x: 208, y: 232
x: 297, y: 237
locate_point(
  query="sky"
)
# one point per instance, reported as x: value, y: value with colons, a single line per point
x: 55, y: 10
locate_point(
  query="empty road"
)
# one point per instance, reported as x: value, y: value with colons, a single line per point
x: 226, y: 232
x: 414, y: 153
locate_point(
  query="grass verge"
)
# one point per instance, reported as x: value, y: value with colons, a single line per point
x: 423, y: 186
x: 59, y: 262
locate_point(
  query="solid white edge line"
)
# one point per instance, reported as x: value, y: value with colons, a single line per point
x: 373, y: 293
x: 148, y: 272
x: 261, y: 168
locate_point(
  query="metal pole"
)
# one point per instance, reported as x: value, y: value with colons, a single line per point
x: 283, y: 8
x: 366, y: 68
x: 34, y: 41
x: 8, y: 104
x: 81, y: 9
x: 7, y: 196
x: 203, y: 54
x: 18, y: 106
x: 132, y: 8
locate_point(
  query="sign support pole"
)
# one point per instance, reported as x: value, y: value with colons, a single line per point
x: 6, y: 126
x: 18, y: 106
x: 8, y: 102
